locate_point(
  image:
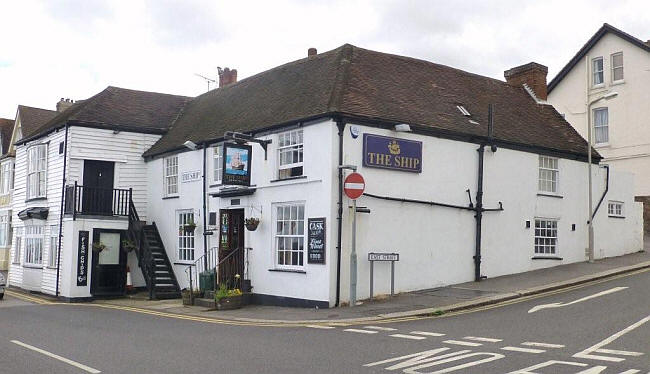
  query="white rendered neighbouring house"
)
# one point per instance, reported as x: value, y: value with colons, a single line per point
x: 608, y: 77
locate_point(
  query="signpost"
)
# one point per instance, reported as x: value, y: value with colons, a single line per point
x: 353, y: 186
x: 392, y: 257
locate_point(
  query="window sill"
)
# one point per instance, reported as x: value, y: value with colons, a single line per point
x: 31, y: 266
x: 171, y: 197
x: 216, y: 185
x: 597, y: 86
x: 550, y: 195
x: 289, y: 179
x: 556, y: 258
x: 36, y: 199
x: 186, y: 263
x: 289, y: 271
x: 50, y: 267
x: 601, y: 145
x: 616, y: 83
x: 619, y: 217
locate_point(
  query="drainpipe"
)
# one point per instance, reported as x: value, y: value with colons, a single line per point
x: 604, y: 192
x: 479, y: 198
x: 205, y: 237
x: 58, y: 255
x: 340, y: 124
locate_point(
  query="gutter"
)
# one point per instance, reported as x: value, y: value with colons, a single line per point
x: 65, y: 164
x: 340, y: 124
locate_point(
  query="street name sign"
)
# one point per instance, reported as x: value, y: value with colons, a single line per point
x: 373, y: 256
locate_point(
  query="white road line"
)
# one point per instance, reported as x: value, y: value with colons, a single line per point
x: 543, y: 345
x: 361, y: 331
x: 380, y: 328
x: 524, y: 350
x: 479, y: 339
x: 57, y: 357
x: 426, y: 333
x: 631, y: 371
x: 460, y: 342
x: 324, y: 327
x: 558, y: 305
x: 403, y: 336
x: 587, y: 352
x: 617, y: 352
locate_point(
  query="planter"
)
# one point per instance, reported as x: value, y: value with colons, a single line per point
x: 229, y: 303
x: 252, y: 226
x: 187, y: 300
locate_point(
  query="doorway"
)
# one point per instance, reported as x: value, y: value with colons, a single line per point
x: 108, y: 265
x: 97, y: 195
x: 231, y: 247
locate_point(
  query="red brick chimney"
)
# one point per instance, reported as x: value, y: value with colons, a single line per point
x: 532, y: 75
x: 312, y: 52
x: 227, y: 76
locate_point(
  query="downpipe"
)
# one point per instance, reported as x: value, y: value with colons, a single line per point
x: 340, y: 124
x: 58, y: 255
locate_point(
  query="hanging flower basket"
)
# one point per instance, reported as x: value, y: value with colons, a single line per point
x: 98, y: 247
x: 128, y: 246
x: 189, y: 227
x: 251, y: 223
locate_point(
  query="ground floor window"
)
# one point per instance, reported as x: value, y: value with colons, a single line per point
x: 185, y: 221
x: 34, y: 245
x: 290, y: 234
x: 18, y: 245
x: 54, y: 246
x: 5, y: 229
x: 615, y: 209
x: 545, y: 237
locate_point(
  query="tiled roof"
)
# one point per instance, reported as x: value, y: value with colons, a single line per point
x: 33, y: 118
x: 6, y: 128
x: 129, y: 109
x: 375, y: 86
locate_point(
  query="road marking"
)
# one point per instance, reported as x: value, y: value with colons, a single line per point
x: 479, y: 339
x: 543, y: 345
x: 558, y: 305
x: 460, y: 342
x: 324, y: 327
x: 594, y: 348
x: 617, y: 352
x: 413, y: 363
x: 404, y: 336
x: 379, y: 328
x: 524, y: 350
x: 426, y: 333
x: 57, y: 357
x: 24, y: 297
x: 361, y: 331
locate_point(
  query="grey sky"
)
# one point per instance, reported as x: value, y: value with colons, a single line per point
x: 53, y: 49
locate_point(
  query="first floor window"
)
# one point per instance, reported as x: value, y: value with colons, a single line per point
x: 54, y: 246
x: 290, y: 148
x: 290, y: 234
x: 617, y: 67
x: 18, y: 245
x: 545, y: 237
x: 615, y: 209
x: 171, y: 175
x: 185, y: 220
x: 548, y: 174
x: 36, y: 170
x: 597, y: 71
x: 601, y: 125
x: 6, y: 177
x: 5, y: 229
x: 217, y: 166
x: 34, y: 245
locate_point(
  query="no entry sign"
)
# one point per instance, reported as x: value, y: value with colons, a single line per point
x: 354, y: 186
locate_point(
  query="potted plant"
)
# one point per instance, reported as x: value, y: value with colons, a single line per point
x: 227, y: 299
x: 128, y: 246
x: 99, y: 246
x: 251, y: 223
x: 190, y: 226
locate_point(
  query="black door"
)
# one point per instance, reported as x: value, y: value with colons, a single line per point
x: 231, y: 247
x: 97, y: 194
x: 108, y: 276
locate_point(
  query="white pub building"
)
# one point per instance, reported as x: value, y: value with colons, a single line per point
x: 466, y: 177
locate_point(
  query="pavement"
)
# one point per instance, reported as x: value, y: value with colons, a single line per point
x: 418, y: 303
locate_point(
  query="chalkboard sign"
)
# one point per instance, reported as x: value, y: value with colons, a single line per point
x: 316, y: 240
x: 82, y: 262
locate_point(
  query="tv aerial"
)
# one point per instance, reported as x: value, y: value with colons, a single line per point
x: 208, y: 80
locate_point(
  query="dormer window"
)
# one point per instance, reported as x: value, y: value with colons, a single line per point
x: 463, y: 111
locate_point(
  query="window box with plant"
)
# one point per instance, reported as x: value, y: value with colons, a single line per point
x: 190, y: 226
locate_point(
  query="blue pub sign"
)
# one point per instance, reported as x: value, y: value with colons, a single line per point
x: 392, y: 153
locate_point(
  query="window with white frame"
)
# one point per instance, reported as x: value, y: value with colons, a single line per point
x: 5, y: 228
x: 597, y: 71
x: 34, y: 245
x: 217, y: 164
x: 545, y: 237
x: 290, y: 234
x: 171, y: 175
x: 54, y: 246
x: 617, y: 67
x: 36, y: 171
x: 185, y: 221
x: 18, y: 245
x: 601, y: 125
x: 290, y: 148
x: 6, y: 177
x: 615, y: 209
x: 548, y: 174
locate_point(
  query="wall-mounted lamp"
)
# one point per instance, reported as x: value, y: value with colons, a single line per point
x: 402, y: 127
x: 190, y: 145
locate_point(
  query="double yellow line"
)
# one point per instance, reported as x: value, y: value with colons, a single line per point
x: 25, y: 297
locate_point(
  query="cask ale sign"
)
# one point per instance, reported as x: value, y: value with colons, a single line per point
x: 392, y: 153
x: 316, y: 240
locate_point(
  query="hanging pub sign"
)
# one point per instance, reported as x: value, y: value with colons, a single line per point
x: 236, y: 164
x: 392, y: 153
x: 316, y: 240
x: 82, y: 261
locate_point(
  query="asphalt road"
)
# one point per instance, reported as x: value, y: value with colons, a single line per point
x: 600, y: 328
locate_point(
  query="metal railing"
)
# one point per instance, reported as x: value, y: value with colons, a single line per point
x: 234, y: 263
x: 97, y: 201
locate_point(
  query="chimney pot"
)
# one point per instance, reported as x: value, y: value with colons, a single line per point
x: 531, y: 74
x: 227, y: 77
x: 63, y: 104
x: 311, y: 52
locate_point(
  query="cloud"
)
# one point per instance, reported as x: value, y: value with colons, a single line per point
x: 187, y: 24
